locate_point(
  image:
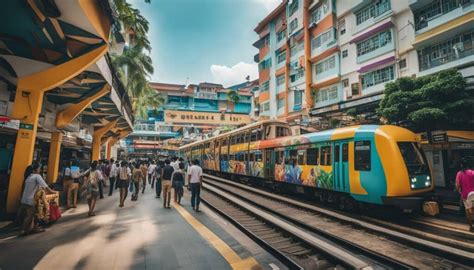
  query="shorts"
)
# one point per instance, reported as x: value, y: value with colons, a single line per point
x: 469, y: 201
x: 123, y: 183
x: 166, y: 186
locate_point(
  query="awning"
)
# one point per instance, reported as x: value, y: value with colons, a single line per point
x: 372, y: 32
x: 375, y: 65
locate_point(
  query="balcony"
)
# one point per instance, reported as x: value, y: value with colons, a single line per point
x: 451, y: 60
x: 205, y: 95
x: 439, y: 13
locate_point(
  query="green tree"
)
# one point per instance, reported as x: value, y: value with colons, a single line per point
x: 233, y: 96
x: 438, y: 101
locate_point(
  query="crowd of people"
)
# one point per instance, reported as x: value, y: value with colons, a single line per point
x: 165, y: 176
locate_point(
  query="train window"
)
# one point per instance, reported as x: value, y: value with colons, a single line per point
x: 337, y: 152
x: 345, y: 152
x: 281, y: 132
x: 325, y: 157
x: 258, y: 157
x: 247, y: 137
x: 279, y: 157
x: 292, y: 157
x: 268, y: 131
x: 242, y: 157
x: 312, y: 156
x: 237, y: 139
x: 231, y: 157
x: 301, y: 154
x: 224, y: 157
x: 362, y: 156
x: 252, y: 157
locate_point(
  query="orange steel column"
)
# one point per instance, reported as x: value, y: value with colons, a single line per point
x: 287, y: 77
x: 307, y: 56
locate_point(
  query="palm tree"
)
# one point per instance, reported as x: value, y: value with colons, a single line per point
x: 233, y: 96
x: 150, y: 100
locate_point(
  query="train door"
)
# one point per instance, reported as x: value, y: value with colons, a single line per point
x: 268, y: 166
x: 341, y: 166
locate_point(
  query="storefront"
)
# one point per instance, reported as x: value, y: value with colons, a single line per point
x: 444, y: 154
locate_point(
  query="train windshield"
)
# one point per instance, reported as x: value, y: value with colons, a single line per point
x: 414, y: 158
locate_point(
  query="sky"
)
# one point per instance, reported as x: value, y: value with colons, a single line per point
x: 197, y: 41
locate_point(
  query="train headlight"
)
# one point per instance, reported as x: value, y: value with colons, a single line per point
x: 413, y: 180
x: 412, y: 186
x: 428, y: 177
x: 427, y: 183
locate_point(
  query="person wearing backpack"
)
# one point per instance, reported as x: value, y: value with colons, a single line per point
x: 465, y: 186
x: 92, y: 185
x: 124, y: 179
x: 177, y: 182
x: 137, y: 178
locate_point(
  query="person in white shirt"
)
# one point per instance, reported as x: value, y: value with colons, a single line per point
x: 175, y: 163
x: 125, y: 174
x: 112, y: 176
x: 195, y: 180
x: 33, y: 182
x: 151, y: 173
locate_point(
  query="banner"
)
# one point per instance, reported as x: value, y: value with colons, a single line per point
x: 193, y: 117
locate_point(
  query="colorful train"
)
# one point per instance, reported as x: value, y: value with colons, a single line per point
x: 374, y: 164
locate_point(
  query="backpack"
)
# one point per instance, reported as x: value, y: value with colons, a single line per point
x: 93, y: 181
x: 107, y: 170
x: 123, y: 173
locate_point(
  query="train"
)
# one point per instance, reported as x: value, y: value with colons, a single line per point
x: 355, y: 165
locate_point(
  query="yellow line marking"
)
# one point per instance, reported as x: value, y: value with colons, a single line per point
x: 228, y: 253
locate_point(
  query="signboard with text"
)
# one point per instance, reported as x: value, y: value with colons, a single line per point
x: 206, y: 118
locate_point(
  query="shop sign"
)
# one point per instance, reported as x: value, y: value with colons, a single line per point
x: 26, y: 126
x: 361, y: 101
x: 12, y: 124
x: 191, y: 117
x: 439, y: 138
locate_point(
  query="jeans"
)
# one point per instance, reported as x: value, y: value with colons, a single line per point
x: 195, y: 193
x: 111, y: 185
x: 158, y: 187
x: 136, y: 190
x: 101, y: 189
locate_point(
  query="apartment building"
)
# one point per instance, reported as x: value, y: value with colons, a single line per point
x: 324, y: 58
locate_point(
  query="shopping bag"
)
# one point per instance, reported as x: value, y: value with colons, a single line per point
x: 54, y: 212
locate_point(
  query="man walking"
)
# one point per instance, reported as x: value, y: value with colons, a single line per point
x: 166, y: 174
x: 465, y: 186
x: 151, y: 173
x: 195, y: 180
x: 113, y: 172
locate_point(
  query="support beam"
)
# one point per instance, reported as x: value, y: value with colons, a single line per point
x: 66, y: 116
x: 96, y: 138
x: 110, y: 143
x: 308, y: 104
x: 54, y: 156
x: 27, y: 107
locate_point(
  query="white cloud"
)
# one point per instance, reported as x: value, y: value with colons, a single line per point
x: 236, y: 74
x: 269, y: 4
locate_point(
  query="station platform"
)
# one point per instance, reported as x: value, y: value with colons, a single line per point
x: 141, y: 235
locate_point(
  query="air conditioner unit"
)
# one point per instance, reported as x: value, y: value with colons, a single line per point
x: 313, y: 24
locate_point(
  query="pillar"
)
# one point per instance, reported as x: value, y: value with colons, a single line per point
x: 54, y: 155
x: 307, y: 55
x: 97, y: 137
x: 27, y: 107
x: 110, y: 143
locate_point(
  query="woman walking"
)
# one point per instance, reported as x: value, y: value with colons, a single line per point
x: 465, y: 186
x: 177, y: 182
x: 92, y: 184
x: 137, y: 178
x: 124, y: 176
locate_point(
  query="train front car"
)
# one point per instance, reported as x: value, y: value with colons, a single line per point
x: 398, y: 159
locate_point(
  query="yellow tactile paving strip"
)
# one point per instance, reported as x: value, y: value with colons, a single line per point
x: 229, y: 255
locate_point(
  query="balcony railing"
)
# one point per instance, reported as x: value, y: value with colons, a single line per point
x: 205, y: 95
x: 438, y: 9
x: 446, y: 59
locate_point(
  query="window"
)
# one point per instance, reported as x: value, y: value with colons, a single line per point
x: 312, y: 156
x: 345, y: 83
x: 372, y: 10
x: 256, y: 135
x: 293, y: 25
x: 325, y: 157
x: 344, y: 54
x: 281, y: 35
x: 377, y: 76
x: 298, y: 97
x: 300, y: 157
x: 265, y: 86
x: 337, y: 153
x: 342, y: 27
x: 345, y: 152
x: 414, y: 159
x: 362, y: 155
x: 326, y: 94
x: 299, y: 74
x: 280, y: 80
x: 258, y: 157
x: 402, y: 63
x: 293, y: 7
x: 434, y: 10
x: 319, y: 13
x: 281, y: 103
x: 296, y: 48
x: 279, y: 157
x: 281, y: 132
x: 355, y: 89
x: 265, y: 64
x: 316, y: 42
x: 326, y: 65
x: 265, y: 106
x: 373, y: 43
x: 292, y: 157
x: 281, y: 57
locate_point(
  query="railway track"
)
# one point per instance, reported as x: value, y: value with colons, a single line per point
x: 365, y: 238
